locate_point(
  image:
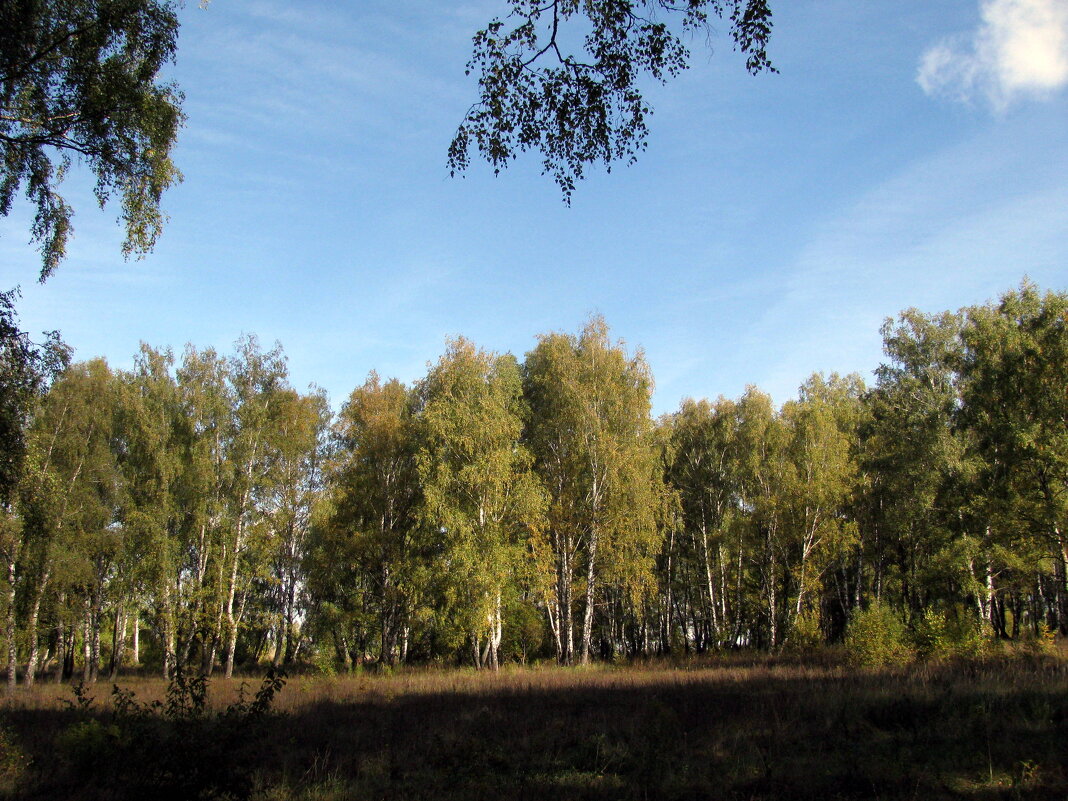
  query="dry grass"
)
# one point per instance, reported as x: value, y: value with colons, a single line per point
x: 738, y: 728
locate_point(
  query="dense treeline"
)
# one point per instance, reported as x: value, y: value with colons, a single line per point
x: 199, y: 513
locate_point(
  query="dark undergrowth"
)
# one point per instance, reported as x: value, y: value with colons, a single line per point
x: 737, y: 730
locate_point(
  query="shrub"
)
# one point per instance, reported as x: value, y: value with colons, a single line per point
x: 806, y: 634
x: 937, y: 636
x: 1043, y: 645
x: 324, y: 661
x: 13, y: 760
x: 173, y: 749
x: 930, y: 635
x: 876, y: 637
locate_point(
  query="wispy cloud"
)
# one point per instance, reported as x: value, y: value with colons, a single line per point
x: 954, y: 228
x: 1020, y: 49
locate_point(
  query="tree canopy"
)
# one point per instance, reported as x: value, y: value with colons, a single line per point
x: 504, y: 509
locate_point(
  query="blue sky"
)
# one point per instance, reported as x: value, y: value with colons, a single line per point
x: 909, y: 153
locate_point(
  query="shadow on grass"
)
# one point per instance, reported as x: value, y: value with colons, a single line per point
x: 931, y: 733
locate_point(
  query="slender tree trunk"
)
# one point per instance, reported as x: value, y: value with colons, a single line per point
x: 87, y: 643
x: 587, y: 622
x: 96, y: 618
x: 61, y: 644
x: 279, y: 645
x: 290, y: 651
x: 722, y: 587
x: 170, y: 644
x: 738, y: 594
x: 496, y: 634
x: 118, y: 640
x: 991, y: 601
x: 231, y: 643
x: 476, y: 653
x: 565, y: 610
x: 1061, y: 568
x: 136, y: 638
x: 231, y: 620
x: 858, y: 583
x: 387, y: 616
x: 667, y: 606
x: 710, y: 587
x: 773, y: 611
x: 552, y: 611
x: 980, y: 598
x: 31, y: 627
x: 9, y: 627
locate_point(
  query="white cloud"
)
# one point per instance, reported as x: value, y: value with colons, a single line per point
x: 1019, y: 49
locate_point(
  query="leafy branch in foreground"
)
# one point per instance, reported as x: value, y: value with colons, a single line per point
x: 535, y: 94
x: 79, y: 80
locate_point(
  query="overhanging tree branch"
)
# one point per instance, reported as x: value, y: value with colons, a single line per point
x: 592, y: 109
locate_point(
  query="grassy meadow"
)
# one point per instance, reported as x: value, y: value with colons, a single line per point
x: 733, y: 727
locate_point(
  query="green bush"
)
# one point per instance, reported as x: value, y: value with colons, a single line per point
x: 876, y: 637
x: 930, y: 635
x: 324, y: 660
x: 806, y: 634
x: 937, y: 636
x: 1044, y: 645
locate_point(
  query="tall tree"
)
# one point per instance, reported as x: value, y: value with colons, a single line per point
x: 765, y: 469
x: 704, y: 469
x: 71, y: 501
x: 259, y: 383
x: 1015, y: 391
x: 155, y: 462
x: 25, y: 369
x: 913, y: 457
x: 591, y: 434
x: 375, y: 492
x: 300, y: 432
x: 479, y: 490
x: 187, y: 603
x: 820, y: 488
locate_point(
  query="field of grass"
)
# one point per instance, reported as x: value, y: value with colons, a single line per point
x: 732, y: 728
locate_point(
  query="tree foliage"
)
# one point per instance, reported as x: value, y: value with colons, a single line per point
x: 25, y: 368
x: 80, y: 79
x: 577, y: 105
x: 513, y: 510
x: 481, y: 497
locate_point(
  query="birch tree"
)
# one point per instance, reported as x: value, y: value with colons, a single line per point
x: 71, y: 498
x: 923, y: 529
x: 818, y: 490
x: 591, y: 434
x: 156, y: 436
x: 366, y: 555
x: 258, y: 379
x: 704, y: 469
x: 479, y: 491
x: 187, y: 601
x: 1014, y: 371
x: 302, y: 422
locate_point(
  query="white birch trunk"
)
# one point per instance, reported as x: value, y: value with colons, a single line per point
x: 9, y: 627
